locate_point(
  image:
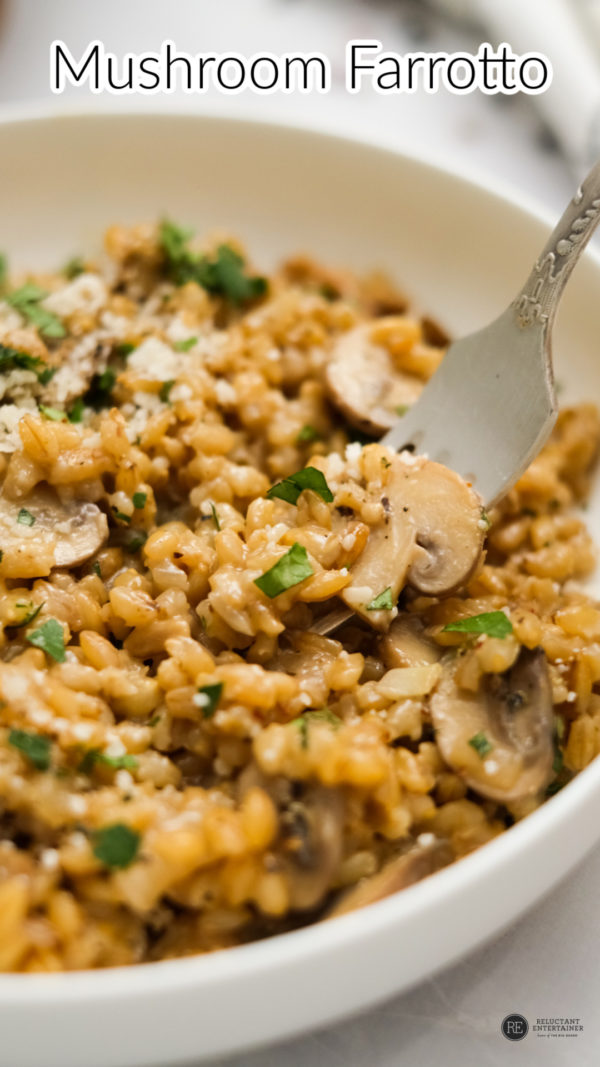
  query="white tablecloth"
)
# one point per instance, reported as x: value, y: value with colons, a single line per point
x: 546, y: 965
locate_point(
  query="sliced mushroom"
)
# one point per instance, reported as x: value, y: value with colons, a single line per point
x: 39, y: 532
x: 311, y: 829
x: 365, y: 384
x: 407, y: 645
x: 309, y: 845
x: 419, y: 862
x: 431, y: 537
x: 499, y: 739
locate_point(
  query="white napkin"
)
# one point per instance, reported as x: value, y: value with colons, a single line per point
x: 568, y: 33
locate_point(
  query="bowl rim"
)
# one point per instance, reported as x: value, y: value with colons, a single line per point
x: 127, y: 982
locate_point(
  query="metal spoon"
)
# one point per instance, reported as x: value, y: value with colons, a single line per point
x: 499, y: 381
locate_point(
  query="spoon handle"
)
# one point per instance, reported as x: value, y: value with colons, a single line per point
x: 539, y: 298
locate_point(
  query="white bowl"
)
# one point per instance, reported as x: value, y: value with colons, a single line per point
x: 462, y: 250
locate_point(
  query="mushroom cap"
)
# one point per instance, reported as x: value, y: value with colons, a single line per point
x: 514, y: 712
x: 419, y: 862
x: 364, y: 383
x: 446, y: 512
x: 60, y: 535
x: 431, y: 537
x: 309, y: 843
x: 406, y: 644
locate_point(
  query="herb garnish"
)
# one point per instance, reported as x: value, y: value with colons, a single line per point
x: 13, y: 358
x: 116, y: 845
x: 401, y: 409
x: 76, y: 412
x: 322, y: 715
x: 35, y: 747
x: 50, y: 638
x: 492, y: 623
x: 184, y: 346
x: 308, y: 434
x: 121, y: 515
x: 165, y: 391
x: 382, y: 602
x: 99, y: 393
x: 26, y: 301
x: 207, y: 698
x: 223, y: 275
x: 139, y: 499
x: 53, y: 413
x: 125, y: 349
x: 137, y: 542
x: 215, y: 516
x: 481, y: 745
x: 74, y: 267
x: 290, y: 570
x: 126, y: 762
x: 46, y: 375
x: 290, y: 488
x: 96, y: 568
x: 29, y: 616
x: 25, y: 518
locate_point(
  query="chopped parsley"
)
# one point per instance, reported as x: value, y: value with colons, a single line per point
x: 139, y: 500
x: 184, y: 346
x: 96, y: 569
x: 76, y: 412
x: 492, y: 623
x: 221, y: 275
x: 74, y: 267
x: 290, y: 570
x: 559, y: 727
x: 215, y: 517
x: 307, y: 434
x: 14, y: 359
x: 116, y: 845
x: 556, y: 786
x: 34, y: 747
x: 165, y: 391
x: 121, y: 515
x: 309, y: 478
x: 99, y: 393
x: 117, y: 763
x: 53, y: 413
x: 25, y: 518
x: 481, y: 745
x: 383, y: 602
x: 207, y: 698
x: 485, y: 519
x: 323, y: 715
x: 125, y: 349
x: 26, y: 301
x: 29, y: 616
x: 138, y: 541
x: 329, y: 292
x: 401, y: 409
x: 46, y: 375
x: 50, y: 638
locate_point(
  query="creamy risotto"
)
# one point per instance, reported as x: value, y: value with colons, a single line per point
x: 191, y: 483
